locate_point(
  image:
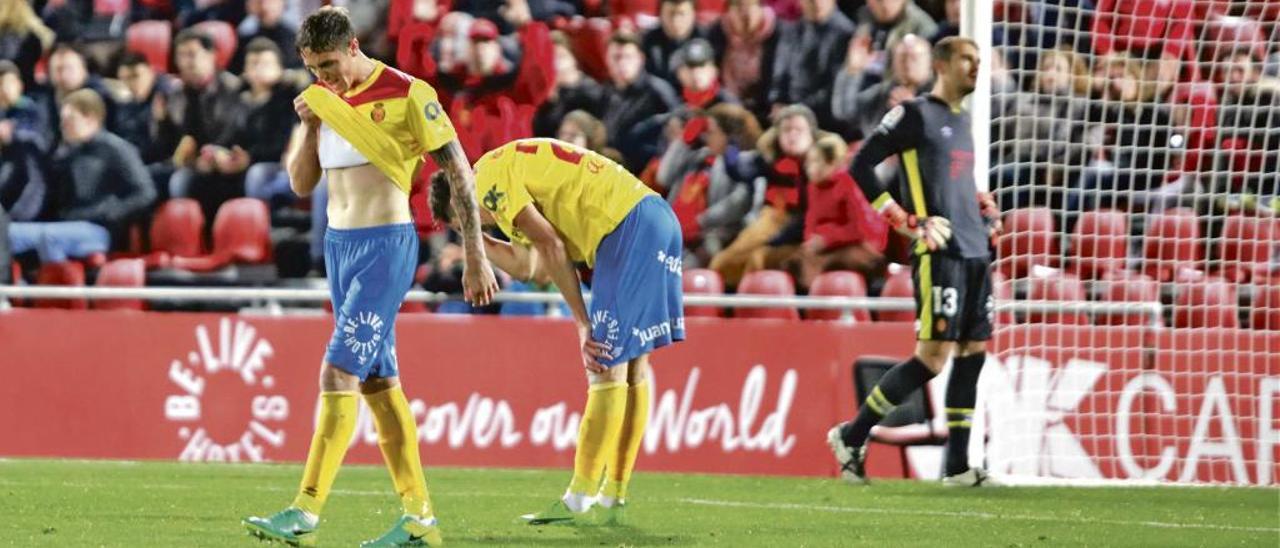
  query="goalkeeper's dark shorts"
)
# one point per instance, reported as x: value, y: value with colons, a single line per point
x: 953, y: 298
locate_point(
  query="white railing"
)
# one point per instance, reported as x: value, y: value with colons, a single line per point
x: 273, y: 296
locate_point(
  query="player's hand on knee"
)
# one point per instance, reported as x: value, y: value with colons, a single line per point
x: 479, y: 284
x: 593, y: 352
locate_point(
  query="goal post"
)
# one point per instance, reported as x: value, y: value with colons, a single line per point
x: 1132, y: 146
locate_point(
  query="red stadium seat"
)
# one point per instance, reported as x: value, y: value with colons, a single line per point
x: 838, y: 283
x: 151, y: 39
x: 1028, y: 240
x: 111, y: 7
x: 1123, y: 286
x: 1266, y: 308
x: 768, y: 282
x: 121, y: 273
x: 68, y: 273
x: 1172, y: 243
x: 241, y: 234
x: 224, y: 40
x: 1100, y: 244
x: 1245, y: 247
x: 177, y: 227
x: 898, y: 284
x: 703, y: 281
x: 1060, y: 287
x: 1208, y: 303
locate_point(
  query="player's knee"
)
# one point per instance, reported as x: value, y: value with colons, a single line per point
x: 373, y: 385
x: 638, y: 370
x: 617, y: 373
x: 968, y: 348
x: 934, y: 354
x: 333, y: 379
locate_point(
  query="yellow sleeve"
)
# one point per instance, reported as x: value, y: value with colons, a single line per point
x: 427, y: 120
x: 502, y: 196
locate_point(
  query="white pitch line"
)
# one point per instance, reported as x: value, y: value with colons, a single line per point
x: 981, y: 515
x: 759, y: 505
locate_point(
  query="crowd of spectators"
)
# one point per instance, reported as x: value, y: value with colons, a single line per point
x: 742, y: 113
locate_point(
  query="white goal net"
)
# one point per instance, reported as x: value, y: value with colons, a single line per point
x: 1134, y: 150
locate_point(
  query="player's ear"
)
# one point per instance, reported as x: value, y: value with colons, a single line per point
x: 353, y: 47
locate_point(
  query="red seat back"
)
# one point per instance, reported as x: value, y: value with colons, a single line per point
x: 121, y: 273
x: 768, y: 282
x: 1002, y: 289
x: 703, y: 281
x: 898, y: 284
x: 1028, y: 240
x: 1207, y: 303
x: 1057, y: 287
x: 1266, y: 308
x: 224, y: 40
x: 177, y: 228
x: 1129, y: 287
x: 1245, y: 247
x: 1100, y: 244
x: 1172, y: 242
x: 111, y: 7
x: 151, y: 39
x: 838, y: 283
x: 242, y: 230
x: 68, y: 273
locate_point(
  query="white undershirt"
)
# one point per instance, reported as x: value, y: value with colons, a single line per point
x: 336, y: 152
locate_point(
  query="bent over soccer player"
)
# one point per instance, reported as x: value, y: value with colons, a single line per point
x: 367, y: 127
x: 561, y: 204
x: 951, y: 269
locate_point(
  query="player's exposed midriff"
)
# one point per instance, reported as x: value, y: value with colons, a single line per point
x: 362, y: 196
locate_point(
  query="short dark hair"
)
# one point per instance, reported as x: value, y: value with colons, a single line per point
x: 133, y: 59
x: 7, y: 67
x: 263, y: 44
x: 946, y: 47
x: 623, y: 38
x: 326, y: 30
x: 194, y: 35
x: 676, y: 2
x: 440, y: 198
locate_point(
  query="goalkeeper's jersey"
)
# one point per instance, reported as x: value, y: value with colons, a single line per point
x: 935, y: 178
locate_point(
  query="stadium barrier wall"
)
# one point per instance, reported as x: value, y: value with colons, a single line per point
x: 741, y: 396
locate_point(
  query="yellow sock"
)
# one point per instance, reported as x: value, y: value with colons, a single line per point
x: 398, y: 439
x: 598, y: 435
x: 328, y: 446
x: 629, y: 440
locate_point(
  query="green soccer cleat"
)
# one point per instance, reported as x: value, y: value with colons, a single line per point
x: 289, y: 526
x: 557, y: 513
x: 408, y: 531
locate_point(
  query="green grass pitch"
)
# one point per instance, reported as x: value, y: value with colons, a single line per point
x: 79, y: 503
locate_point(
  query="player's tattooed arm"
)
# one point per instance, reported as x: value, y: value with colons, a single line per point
x: 478, y: 282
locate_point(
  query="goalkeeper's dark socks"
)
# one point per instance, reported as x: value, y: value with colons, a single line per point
x: 962, y: 395
x: 894, y: 386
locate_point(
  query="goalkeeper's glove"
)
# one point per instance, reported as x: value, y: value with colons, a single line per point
x: 933, y: 232
x: 991, y: 214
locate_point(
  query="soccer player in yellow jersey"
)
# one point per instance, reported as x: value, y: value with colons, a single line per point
x: 367, y: 126
x: 561, y: 205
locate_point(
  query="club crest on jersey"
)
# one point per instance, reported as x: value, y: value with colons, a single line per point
x: 378, y: 114
x: 946, y: 131
x: 493, y: 199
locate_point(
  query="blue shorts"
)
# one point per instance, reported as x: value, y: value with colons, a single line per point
x: 637, y: 293
x: 370, y: 271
